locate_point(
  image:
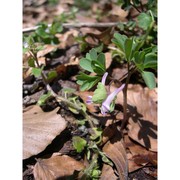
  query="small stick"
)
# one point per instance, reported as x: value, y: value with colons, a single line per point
x: 77, y: 25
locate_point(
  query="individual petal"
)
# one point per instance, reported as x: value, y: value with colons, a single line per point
x: 106, y: 104
x: 104, y: 78
x: 89, y: 100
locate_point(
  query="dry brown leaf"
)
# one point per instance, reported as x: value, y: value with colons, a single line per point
x: 39, y: 129
x: 108, y: 57
x: 115, y: 150
x: 108, y: 173
x: 56, y: 167
x: 118, y: 11
x: 142, y: 114
x: 46, y: 49
x: 139, y: 155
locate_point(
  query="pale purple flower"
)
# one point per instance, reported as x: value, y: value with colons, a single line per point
x: 105, y: 107
x: 107, y: 102
x: 104, y: 78
x: 89, y: 100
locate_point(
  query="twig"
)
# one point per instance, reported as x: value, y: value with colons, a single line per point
x: 77, y: 25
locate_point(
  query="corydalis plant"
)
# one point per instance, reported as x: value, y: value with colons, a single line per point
x: 103, y: 97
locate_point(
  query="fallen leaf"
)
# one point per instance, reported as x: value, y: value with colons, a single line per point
x: 39, y: 129
x: 108, y: 57
x: 46, y: 49
x: 56, y: 167
x: 115, y: 150
x: 107, y: 173
x: 140, y: 156
x: 142, y: 113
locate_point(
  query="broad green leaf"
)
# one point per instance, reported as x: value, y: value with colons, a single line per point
x: 144, y: 20
x: 86, y: 64
x: 139, y: 57
x: 99, y: 48
x: 93, y: 54
x: 41, y: 32
x: 149, y: 79
x: 79, y: 143
x: 36, y: 72
x: 83, y: 76
x: 98, y: 67
x: 150, y: 60
x: 43, y: 98
x: 100, y: 94
x: 128, y: 48
x: 119, y: 40
x: 101, y: 58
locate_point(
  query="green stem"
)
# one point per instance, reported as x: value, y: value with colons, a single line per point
x: 60, y: 98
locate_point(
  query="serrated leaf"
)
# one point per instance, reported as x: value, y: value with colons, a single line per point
x: 79, y: 143
x: 36, y: 72
x: 149, y: 79
x: 128, y: 48
x: 100, y: 94
x: 86, y: 64
x: 144, y: 20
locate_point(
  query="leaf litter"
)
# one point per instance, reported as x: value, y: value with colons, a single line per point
x: 136, y: 151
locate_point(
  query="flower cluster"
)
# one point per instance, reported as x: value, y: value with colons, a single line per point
x: 103, y: 97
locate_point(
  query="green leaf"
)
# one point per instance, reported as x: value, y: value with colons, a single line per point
x: 97, y: 133
x: 100, y: 94
x: 98, y: 67
x: 41, y: 32
x: 55, y: 28
x: 101, y: 58
x: 128, y: 48
x: 139, y: 57
x: 86, y: 64
x: 31, y: 62
x: 119, y: 40
x: 89, y: 84
x: 43, y: 98
x: 150, y: 60
x: 79, y: 143
x: 149, y: 79
x: 51, y: 75
x: 36, y: 72
x: 93, y: 54
x: 144, y: 21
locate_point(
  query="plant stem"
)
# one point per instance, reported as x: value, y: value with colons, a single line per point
x: 60, y: 98
x: 124, y: 122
